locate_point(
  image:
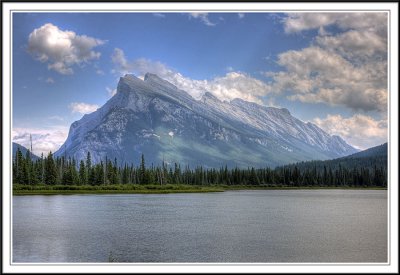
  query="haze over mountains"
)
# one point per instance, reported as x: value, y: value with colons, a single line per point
x: 153, y: 117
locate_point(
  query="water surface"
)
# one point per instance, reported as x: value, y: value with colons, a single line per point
x: 234, y: 226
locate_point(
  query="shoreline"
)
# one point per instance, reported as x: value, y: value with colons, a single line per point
x: 21, y: 190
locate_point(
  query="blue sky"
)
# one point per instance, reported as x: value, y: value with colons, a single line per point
x: 329, y: 69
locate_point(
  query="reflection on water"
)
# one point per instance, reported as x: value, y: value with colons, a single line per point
x: 235, y: 226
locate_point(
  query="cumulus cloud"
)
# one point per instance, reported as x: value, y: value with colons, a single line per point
x: 317, y: 75
x: 297, y: 22
x: 347, y: 68
x: 82, y: 108
x: 359, y: 130
x: 241, y: 15
x: 355, y: 44
x: 232, y: 85
x: 203, y: 17
x: 43, y: 140
x: 61, y: 50
x: 362, y: 37
x: 238, y: 85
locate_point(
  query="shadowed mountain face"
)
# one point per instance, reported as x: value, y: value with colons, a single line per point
x: 153, y: 117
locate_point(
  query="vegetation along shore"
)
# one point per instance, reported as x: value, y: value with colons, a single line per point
x: 154, y: 189
x: 49, y: 175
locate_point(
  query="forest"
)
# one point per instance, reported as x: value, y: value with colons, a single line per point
x: 360, y: 172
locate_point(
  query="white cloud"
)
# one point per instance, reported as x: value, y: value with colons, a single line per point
x: 232, y: 85
x: 62, y: 49
x: 82, y: 108
x: 50, y: 80
x: 43, y: 140
x: 316, y: 75
x: 348, y: 68
x: 203, y: 17
x: 238, y: 85
x: 111, y: 92
x: 359, y: 130
x: 241, y: 15
x: 359, y: 44
x: 297, y: 22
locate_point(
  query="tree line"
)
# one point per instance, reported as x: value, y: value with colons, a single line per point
x: 66, y: 171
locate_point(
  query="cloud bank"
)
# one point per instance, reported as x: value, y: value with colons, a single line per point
x: 43, y: 140
x: 348, y: 68
x: 232, y: 85
x: 359, y: 130
x: 297, y: 22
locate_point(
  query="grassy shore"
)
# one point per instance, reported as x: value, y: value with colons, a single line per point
x: 149, y: 189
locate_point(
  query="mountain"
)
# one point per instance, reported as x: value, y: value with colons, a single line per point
x: 377, y: 151
x: 372, y: 158
x: 154, y: 117
x: 23, y: 150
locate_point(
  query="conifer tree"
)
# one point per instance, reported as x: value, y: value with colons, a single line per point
x: 82, y: 173
x: 50, y: 170
x: 143, y: 176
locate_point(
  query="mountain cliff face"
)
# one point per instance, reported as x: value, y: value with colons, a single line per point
x: 164, y: 123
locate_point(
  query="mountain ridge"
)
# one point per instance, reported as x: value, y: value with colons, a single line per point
x: 154, y: 117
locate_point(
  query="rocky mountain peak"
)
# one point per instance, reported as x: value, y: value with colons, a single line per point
x: 208, y: 132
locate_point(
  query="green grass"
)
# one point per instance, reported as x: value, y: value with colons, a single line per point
x: 19, y: 189
x: 111, y: 189
x: 276, y: 187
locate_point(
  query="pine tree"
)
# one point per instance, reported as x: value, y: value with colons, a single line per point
x: 143, y: 175
x: 91, y: 173
x: 82, y: 173
x: 73, y: 172
x: 19, y: 163
x: 50, y: 170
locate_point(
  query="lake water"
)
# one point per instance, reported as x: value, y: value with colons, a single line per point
x: 235, y: 226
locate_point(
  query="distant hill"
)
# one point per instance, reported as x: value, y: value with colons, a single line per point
x: 381, y: 150
x: 367, y: 159
x: 23, y: 150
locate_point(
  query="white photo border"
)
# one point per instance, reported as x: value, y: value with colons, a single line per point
x: 393, y: 191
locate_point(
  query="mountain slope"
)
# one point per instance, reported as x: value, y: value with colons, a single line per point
x: 372, y: 158
x: 377, y: 151
x: 23, y: 150
x: 153, y: 117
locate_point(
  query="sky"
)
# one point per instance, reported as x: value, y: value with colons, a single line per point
x: 326, y: 68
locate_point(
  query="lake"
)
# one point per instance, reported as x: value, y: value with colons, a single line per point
x: 269, y: 226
